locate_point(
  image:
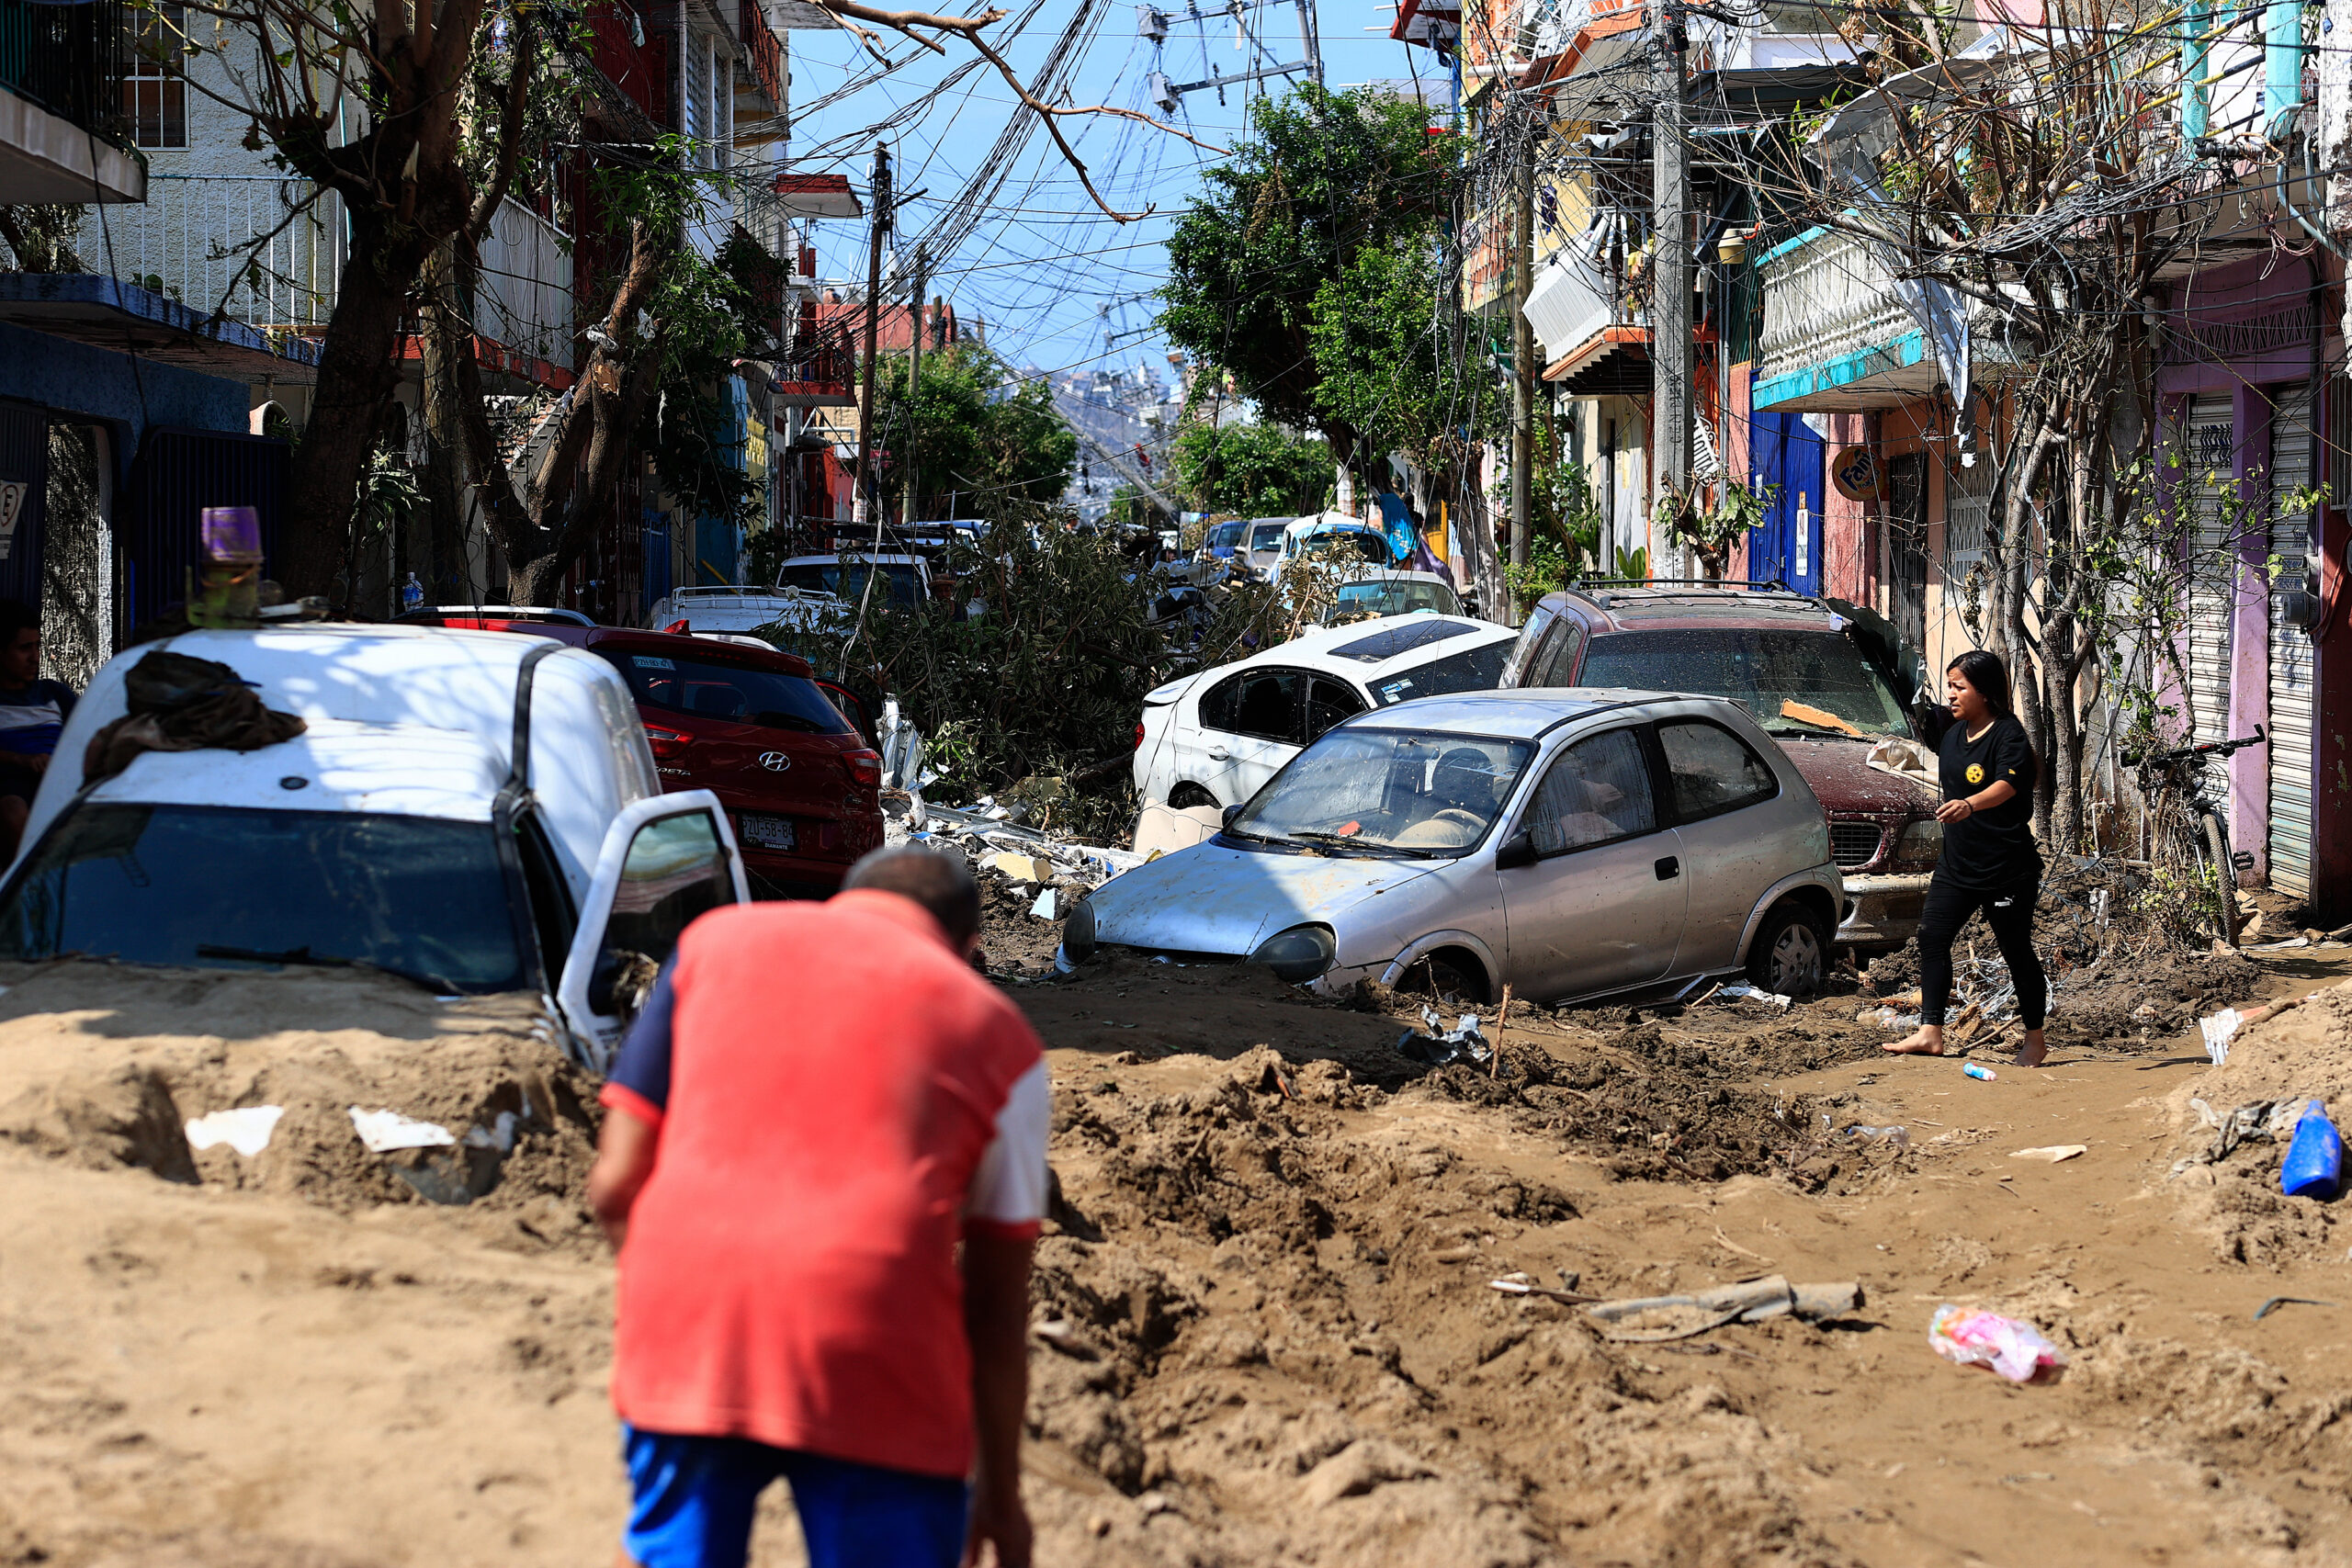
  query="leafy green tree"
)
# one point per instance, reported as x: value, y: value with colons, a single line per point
x: 1327, y: 179
x: 1256, y: 471
x: 981, y: 439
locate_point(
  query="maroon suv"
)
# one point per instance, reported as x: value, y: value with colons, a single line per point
x: 749, y: 724
x: 1824, y: 678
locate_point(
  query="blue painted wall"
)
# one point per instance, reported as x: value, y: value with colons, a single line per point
x: 74, y: 378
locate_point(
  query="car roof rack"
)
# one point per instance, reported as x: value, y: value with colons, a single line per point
x: 1666, y: 584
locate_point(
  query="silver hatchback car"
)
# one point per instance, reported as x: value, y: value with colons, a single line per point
x: 1571, y: 845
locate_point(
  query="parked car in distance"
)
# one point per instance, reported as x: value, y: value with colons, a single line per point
x: 727, y: 609
x: 435, y: 615
x: 1391, y: 592
x: 1820, y: 677
x: 1263, y: 549
x: 779, y: 749
x: 1337, y: 538
x: 1569, y: 844
x: 901, y: 581
x: 1216, y: 737
x: 474, y: 812
x: 1224, y: 541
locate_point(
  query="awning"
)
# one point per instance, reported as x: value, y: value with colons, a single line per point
x: 1603, y: 74
x: 108, y: 313
x: 818, y: 196
x: 1433, y: 24
x: 1613, y: 362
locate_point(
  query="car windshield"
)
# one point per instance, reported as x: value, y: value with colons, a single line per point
x: 1386, y: 792
x: 1472, y: 670
x: 711, y: 688
x: 223, y: 888
x: 899, y: 579
x: 1407, y: 598
x: 1226, y: 536
x: 1351, y: 546
x: 1268, y: 535
x: 1795, y: 682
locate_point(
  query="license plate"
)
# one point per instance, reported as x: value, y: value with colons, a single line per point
x: 769, y: 833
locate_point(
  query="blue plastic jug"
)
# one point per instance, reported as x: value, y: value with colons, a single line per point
x: 2316, y: 1159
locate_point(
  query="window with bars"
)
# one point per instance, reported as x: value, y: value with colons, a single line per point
x: 154, y: 93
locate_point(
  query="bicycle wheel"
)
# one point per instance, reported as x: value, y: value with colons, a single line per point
x: 2228, y: 916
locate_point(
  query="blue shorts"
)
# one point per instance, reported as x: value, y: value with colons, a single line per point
x: 692, y: 1500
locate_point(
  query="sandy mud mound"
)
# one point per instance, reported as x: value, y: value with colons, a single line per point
x: 1264, y: 1336
x: 105, y: 1065
x: 2231, y: 1127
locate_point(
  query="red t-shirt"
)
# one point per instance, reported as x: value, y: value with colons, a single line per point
x: 836, y: 1076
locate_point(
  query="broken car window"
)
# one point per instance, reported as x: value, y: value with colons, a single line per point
x: 1387, y: 791
x: 223, y: 888
x: 1761, y: 669
x: 1596, y: 793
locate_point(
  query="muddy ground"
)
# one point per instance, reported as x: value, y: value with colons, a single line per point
x: 1265, y: 1328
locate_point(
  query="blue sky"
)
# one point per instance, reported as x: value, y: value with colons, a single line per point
x: 1043, y: 263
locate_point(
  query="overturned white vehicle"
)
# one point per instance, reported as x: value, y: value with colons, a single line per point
x: 1568, y: 843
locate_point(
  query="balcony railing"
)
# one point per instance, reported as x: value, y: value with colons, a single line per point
x: 1834, y: 319
x: 761, y: 51
x: 69, y: 60
x: 261, y: 248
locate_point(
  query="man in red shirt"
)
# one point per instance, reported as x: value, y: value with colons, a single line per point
x: 818, y: 1104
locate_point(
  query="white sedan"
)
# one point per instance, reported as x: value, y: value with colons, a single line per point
x: 1214, y: 737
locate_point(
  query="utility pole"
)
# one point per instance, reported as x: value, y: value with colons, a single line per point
x: 868, y: 495
x: 1670, y: 276
x: 914, y: 382
x: 1523, y: 361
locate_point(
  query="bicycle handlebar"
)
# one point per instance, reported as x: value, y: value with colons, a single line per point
x: 2208, y: 748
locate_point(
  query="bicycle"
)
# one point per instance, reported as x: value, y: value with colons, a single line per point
x: 2176, y: 785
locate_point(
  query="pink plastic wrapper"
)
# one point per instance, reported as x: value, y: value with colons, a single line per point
x: 2016, y: 1350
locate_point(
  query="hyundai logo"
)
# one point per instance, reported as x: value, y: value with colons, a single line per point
x: 775, y: 761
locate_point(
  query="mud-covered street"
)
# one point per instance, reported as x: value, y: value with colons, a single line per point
x: 1264, y: 1330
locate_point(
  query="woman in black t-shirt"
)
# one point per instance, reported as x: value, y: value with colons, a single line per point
x: 1989, y: 863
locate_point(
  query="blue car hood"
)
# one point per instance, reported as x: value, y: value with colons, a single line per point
x: 1216, y: 898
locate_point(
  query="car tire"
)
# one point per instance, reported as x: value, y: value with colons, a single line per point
x: 1790, y: 954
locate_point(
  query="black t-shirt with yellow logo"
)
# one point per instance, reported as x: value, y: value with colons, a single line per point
x: 1993, y: 848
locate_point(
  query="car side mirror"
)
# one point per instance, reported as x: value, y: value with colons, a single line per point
x: 1516, y: 851
x: 1225, y: 819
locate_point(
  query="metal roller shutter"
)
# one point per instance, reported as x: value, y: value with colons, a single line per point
x: 2212, y: 468
x: 2293, y: 428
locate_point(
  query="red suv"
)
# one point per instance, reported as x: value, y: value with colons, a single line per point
x: 752, y: 726
x: 1824, y: 677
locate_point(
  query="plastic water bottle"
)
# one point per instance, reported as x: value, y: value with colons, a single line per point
x: 1974, y: 1071
x: 2316, y: 1159
x: 411, y: 593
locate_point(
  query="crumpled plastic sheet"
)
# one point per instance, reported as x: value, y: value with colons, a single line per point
x: 1441, y: 1045
x: 2260, y: 1120
x: 980, y: 835
x: 2016, y: 1350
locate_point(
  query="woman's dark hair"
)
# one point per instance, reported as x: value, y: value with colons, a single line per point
x: 1985, y: 671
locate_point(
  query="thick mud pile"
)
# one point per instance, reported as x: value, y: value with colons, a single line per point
x: 104, y: 1066
x: 1265, y: 1341
x: 2232, y: 1125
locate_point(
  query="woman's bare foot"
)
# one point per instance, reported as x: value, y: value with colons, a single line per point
x: 2029, y: 1054
x: 1928, y: 1040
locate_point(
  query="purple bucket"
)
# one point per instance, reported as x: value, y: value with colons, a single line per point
x: 232, y: 534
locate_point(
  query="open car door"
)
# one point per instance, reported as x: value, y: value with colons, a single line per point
x: 666, y: 859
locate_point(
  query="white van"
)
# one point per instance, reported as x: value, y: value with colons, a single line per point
x: 473, y: 811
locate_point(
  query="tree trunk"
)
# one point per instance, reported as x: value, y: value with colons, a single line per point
x: 358, y: 370
x: 448, y: 477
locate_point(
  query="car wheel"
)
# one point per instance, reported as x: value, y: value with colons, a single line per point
x: 1789, y: 955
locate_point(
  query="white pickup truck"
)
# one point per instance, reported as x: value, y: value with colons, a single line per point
x: 470, y: 810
